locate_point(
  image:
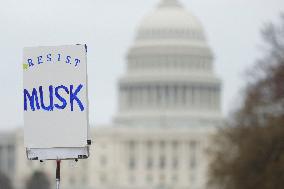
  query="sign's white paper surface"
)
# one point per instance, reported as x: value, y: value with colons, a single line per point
x: 55, y: 96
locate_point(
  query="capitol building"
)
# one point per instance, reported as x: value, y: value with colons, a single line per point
x: 169, y: 106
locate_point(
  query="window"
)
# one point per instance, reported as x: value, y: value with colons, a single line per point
x: 162, y: 162
x: 132, y: 147
x: 149, y: 159
x: 149, y: 145
x: 132, y: 163
x: 162, y: 179
x: 149, y: 163
x: 149, y: 179
x: 192, y: 162
x: 162, y: 145
x: 175, y: 162
x: 175, y: 146
x: 174, y: 178
x: 192, y: 155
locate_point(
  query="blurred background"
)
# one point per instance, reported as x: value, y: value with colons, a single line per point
x: 183, y: 93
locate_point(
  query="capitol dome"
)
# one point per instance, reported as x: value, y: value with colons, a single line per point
x: 170, y: 72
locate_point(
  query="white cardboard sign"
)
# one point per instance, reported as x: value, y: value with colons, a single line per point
x: 55, y: 97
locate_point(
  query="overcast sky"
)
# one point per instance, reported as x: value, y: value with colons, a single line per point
x: 108, y: 28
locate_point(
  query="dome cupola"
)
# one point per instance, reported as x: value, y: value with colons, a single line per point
x: 170, y: 21
x: 169, y: 3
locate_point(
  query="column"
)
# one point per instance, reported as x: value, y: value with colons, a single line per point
x: 175, y: 96
x: 202, y: 97
x: 179, y: 96
x: 159, y: 96
x: 188, y: 94
x: 131, y: 97
x: 136, y: 101
x: 183, y: 96
x: 193, y: 96
x: 166, y: 91
x: 151, y: 96
x: 207, y: 98
x: 163, y: 93
x: 171, y: 96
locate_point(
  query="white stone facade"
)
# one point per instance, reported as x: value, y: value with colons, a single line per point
x: 169, y: 105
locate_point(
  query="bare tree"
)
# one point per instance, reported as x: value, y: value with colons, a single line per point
x: 38, y: 181
x: 5, y: 182
x: 249, y: 153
